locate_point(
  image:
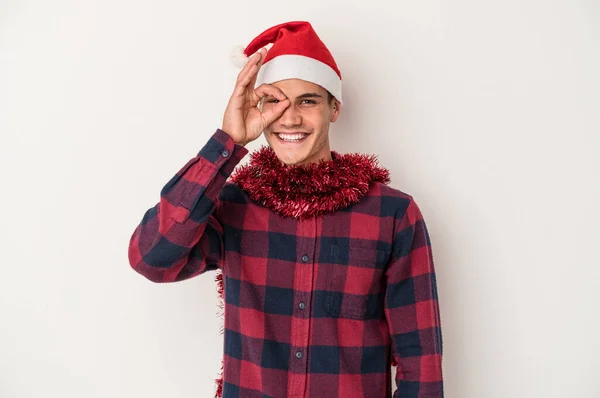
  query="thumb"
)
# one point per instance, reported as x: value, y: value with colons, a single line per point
x: 275, y: 112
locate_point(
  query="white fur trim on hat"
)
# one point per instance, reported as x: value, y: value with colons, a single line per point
x: 285, y: 67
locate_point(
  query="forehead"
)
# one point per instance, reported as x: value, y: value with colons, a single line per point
x: 295, y: 87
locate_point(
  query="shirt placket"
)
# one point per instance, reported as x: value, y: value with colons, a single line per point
x: 300, y: 334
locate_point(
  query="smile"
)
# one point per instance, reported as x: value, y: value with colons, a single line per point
x: 292, y: 137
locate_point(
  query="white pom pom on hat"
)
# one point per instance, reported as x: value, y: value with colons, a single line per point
x: 238, y: 58
x: 296, y: 52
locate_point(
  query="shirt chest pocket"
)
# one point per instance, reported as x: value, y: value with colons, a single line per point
x: 354, y: 282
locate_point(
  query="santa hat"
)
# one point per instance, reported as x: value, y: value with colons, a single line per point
x: 297, y: 53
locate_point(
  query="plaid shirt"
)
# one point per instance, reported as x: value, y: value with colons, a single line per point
x: 313, y: 308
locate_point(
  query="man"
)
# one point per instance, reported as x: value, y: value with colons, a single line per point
x: 327, y: 272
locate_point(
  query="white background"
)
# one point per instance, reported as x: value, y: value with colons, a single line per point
x: 486, y: 112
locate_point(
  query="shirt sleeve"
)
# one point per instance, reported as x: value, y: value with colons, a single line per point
x: 412, y: 310
x: 180, y: 237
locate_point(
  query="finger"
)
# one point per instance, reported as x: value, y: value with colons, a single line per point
x: 251, y: 65
x: 253, y: 60
x: 247, y: 77
x: 241, y: 86
x: 274, y: 113
x: 263, y: 54
x: 267, y: 89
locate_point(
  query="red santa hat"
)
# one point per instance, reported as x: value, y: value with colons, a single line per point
x: 297, y: 53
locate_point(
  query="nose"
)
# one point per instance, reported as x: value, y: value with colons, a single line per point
x: 291, y: 117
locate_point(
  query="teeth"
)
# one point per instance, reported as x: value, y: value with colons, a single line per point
x: 291, y: 137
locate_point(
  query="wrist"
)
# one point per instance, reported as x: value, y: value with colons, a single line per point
x: 233, y: 138
x: 238, y: 142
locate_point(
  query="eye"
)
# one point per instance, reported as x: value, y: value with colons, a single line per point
x: 272, y: 101
x: 308, y: 102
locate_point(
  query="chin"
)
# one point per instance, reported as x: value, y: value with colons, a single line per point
x: 290, y: 154
x: 289, y: 157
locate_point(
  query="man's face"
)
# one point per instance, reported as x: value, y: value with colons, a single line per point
x: 301, y: 134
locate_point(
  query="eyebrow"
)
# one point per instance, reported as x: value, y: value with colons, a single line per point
x: 302, y: 96
x: 310, y: 95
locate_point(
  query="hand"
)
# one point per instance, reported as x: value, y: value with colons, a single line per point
x: 242, y: 120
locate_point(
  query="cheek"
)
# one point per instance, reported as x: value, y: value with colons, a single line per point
x: 317, y: 119
x: 324, y: 121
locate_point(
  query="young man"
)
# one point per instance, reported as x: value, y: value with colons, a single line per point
x: 327, y: 272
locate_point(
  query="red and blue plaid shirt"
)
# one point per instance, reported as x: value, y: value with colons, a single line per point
x: 313, y: 308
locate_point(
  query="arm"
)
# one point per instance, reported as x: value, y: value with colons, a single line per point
x: 180, y: 237
x: 412, y: 312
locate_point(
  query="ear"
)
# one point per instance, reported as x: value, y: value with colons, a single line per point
x: 335, y: 110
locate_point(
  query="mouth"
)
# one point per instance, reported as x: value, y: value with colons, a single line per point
x: 291, y: 138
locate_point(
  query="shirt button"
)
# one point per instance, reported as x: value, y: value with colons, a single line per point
x: 299, y: 354
x: 301, y: 306
x: 305, y: 258
x: 225, y: 154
